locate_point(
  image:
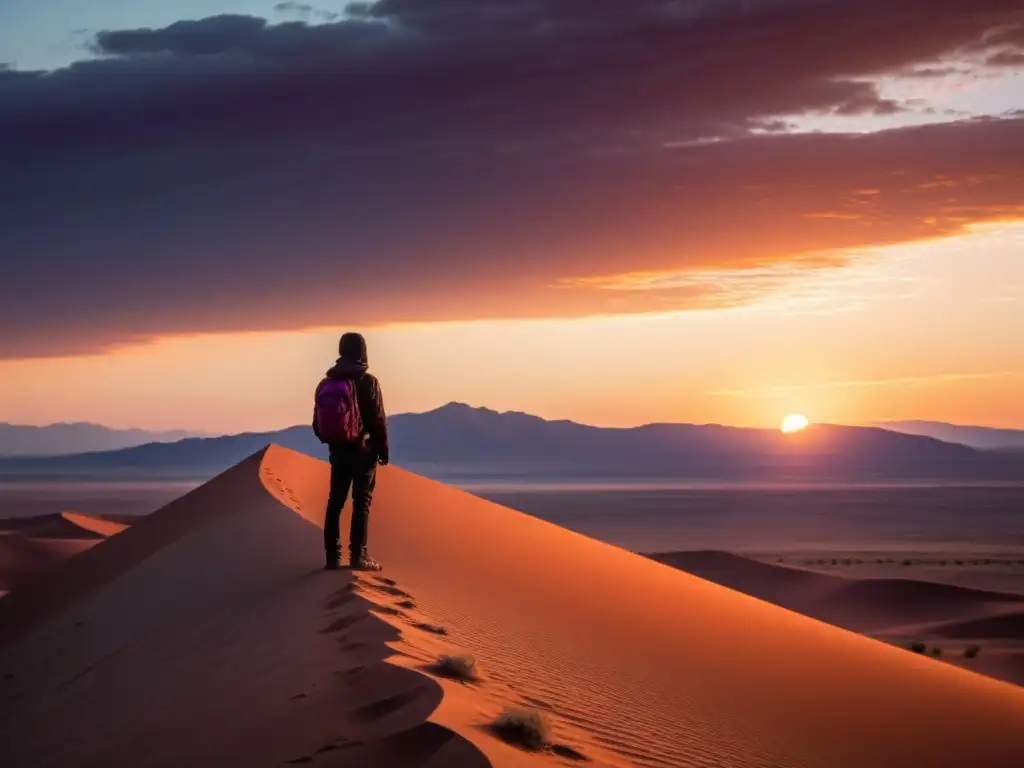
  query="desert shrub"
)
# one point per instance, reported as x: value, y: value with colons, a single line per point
x: 917, y: 646
x: 457, y: 667
x: 971, y: 651
x: 936, y: 651
x: 526, y: 728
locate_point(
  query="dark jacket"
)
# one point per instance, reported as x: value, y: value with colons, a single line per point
x: 371, y: 405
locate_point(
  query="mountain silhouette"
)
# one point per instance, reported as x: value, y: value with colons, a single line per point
x: 986, y: 438
x: 64, y: 439
x: 458, y: 440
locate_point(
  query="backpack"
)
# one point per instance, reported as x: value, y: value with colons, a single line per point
x: 337, y: 412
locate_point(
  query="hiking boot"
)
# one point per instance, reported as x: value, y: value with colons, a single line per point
x: 363, y: 562
x: 332, y: 563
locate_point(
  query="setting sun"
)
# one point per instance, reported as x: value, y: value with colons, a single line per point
x: 794, y: 423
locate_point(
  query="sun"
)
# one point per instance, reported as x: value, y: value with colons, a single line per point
x: 794, y: 423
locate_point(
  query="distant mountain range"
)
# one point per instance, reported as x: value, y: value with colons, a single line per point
x: 58, y: 439
x: 985, y: 438
x: 458, y: 442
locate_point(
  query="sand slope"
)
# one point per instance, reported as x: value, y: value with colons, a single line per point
x: 31, y: 545
x: 900, y: 611
x: 867, y: 605
x: 207, y: 635
x: 63, y: 525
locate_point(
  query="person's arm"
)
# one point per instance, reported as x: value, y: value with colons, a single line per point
x: 375, y: 419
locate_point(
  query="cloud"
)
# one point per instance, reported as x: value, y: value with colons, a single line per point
x: 1006, y: 58
x: 451, y: 160
x: 914, y: 382
x: 307, y: 11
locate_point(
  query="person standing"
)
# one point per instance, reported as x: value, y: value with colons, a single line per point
x: 349, y: 417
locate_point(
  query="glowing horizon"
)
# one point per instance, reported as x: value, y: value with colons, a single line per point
x: 915, y: 332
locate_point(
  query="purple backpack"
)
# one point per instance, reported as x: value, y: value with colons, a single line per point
x: 337, y: 412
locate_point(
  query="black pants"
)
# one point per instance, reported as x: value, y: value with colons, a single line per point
x: 351, y: 467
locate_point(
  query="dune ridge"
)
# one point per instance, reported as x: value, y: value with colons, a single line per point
x: 62, y: 525
x: 1008, y: 625
x: 215, y: 608
x: 29, y: 546
x: 861, y: 604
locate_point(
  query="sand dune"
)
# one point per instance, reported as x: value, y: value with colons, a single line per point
x: 22, y: 558
x: 207, y: 635
x: 29, y: 546
x: 63, y: 525
x: 899, y: 611
x: 1002, y: 625
x: 874, y: 605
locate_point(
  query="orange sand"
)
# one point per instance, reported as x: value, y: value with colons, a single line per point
x: 31, y: 545
x: 207, y: 635
x: 863, y: 604
x: 900, y: 611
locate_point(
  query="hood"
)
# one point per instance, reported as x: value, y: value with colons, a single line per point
x: 352, y: 346
x: 346, y: 369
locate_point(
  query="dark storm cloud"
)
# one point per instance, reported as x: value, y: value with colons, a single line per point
x: 464, y: 159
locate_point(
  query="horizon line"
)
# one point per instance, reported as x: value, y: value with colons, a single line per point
x: 206, y: 434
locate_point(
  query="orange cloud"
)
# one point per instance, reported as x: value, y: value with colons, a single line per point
x: 896, y: 382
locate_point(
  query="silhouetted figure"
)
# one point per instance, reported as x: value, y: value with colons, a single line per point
x: 349, y: 417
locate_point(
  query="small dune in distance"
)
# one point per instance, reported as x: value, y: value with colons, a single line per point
x: 35, y: 544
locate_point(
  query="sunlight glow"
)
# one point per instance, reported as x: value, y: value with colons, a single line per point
x: 794, y: 423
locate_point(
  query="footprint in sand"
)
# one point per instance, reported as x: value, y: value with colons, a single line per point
x: 389, y: 587
x: 339, y: 743
x: 569, y: 753
x: 388, y: 610
x: 349, y: 672
x: 341, y: 597
x: 432, y: 628
x: 385, y: 585
x: 343, y: 623
x: 389, y: 590
x: 381, y: 708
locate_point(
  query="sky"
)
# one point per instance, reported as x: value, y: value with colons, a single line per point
x: 618, y: 213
